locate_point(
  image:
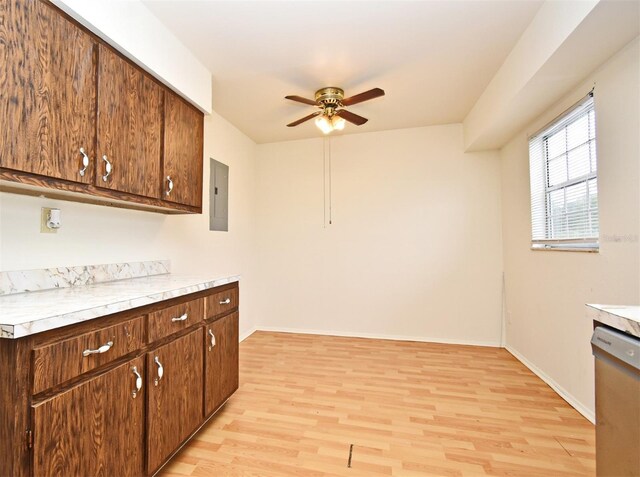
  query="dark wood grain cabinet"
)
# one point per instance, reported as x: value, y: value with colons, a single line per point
x: 175, y: 318
x: 94, y: 428
x: 48, y: 97
x: 130, y: 110
x: 86, y: 123
x: 175, y: 395
x: 183, y: 133
x: 84, y: 352
x: 109, y: 396
x: 220, y: 361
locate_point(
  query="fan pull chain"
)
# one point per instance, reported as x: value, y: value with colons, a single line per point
x: 326, y: 152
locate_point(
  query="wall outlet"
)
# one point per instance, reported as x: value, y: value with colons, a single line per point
x: 45, y: 214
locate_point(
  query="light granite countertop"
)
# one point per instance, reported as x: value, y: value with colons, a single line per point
x: 23, y: 314
x: 620, y: 317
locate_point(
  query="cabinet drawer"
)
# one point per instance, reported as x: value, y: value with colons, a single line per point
x: 58, y: 362
x: 175, y: 318
x: 222, y: 302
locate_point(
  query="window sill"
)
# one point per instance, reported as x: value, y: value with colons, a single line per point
x: 564, y: 248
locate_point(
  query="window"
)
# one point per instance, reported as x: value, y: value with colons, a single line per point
x: 564, y: 182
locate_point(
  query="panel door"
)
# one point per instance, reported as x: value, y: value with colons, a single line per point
x: 129, y: 127
x: 221, y: 361
x: 183, y: 136
x: 175, y: 395
x: 48, y: 93
x: 95, y: 428
x: 218, y: 196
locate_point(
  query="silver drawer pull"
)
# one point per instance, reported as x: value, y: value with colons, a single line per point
x: 169, y: 185
x: 85, y: 162
x: 102, y: 349
x: 107, y: 168
x: 135, y: 392
x: 160, y: 371
x: 213, y: 340
x: 181, y: 318
x: 225, y: 301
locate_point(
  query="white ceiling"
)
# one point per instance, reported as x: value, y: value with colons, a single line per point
x: 433, y: 58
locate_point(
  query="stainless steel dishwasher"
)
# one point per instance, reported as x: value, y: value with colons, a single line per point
x: 617, y: 403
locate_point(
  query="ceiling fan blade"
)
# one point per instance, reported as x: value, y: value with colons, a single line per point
x: 366, y: 96
x: 352, y: 118
x: 300, y: 99
x: 306, y: 118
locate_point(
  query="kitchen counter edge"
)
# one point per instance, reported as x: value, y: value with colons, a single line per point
x: 184, y: 285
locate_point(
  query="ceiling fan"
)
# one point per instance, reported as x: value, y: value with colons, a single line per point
x: 331, y: 100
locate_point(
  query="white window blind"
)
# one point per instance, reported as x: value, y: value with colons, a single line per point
x: 564, y: 181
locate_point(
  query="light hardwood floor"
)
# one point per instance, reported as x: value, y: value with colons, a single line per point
x: 306, y: 402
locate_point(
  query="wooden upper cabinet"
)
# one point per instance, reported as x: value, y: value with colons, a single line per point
x: 48, y: 92
x: 183, y: 152
x: 95, y: 428
x: 130, y: 108
x: 79, y: 117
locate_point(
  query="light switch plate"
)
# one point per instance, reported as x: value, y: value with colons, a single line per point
x: 44, y: 216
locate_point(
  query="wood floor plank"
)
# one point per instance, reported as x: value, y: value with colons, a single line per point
x: 400, y: 408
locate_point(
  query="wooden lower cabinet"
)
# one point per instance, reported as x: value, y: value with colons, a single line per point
x: 93, y: 429
x: 220, y: 361
x: 175, y: 395
x: 119, y: 395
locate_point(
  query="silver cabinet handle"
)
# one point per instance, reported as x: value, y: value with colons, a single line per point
x: 213, y: 340
x: 108, y: 167
x: 102, y: 349
x: 85, y: 162
x: 180, y: 318
x: 169, y: 185
x: 226, y: 301
x: 135, y: 392
x: 160, y: 371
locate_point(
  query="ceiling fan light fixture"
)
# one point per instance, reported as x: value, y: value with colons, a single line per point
x: 332, y: 115
x: 324, y: 124
x: 337, y: 123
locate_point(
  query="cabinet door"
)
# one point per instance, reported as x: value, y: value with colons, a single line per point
x: 129, y: 127
x: 183, y: 136
x: 48, y: 92
x: 221, y: 361
x: 95, y: 428
x: 175, y: 396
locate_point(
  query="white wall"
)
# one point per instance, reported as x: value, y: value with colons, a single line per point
x: 414, y: 250
x: 565, y: 42
x: 553, y: 24
x: 93, y: 234
x: 546, y: 291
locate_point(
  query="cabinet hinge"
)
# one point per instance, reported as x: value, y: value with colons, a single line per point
x: 29, y: 439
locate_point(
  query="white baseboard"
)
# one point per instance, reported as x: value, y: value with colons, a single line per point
x: 356, y: 334
x: 564, y: 394
x: 246, y: 334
